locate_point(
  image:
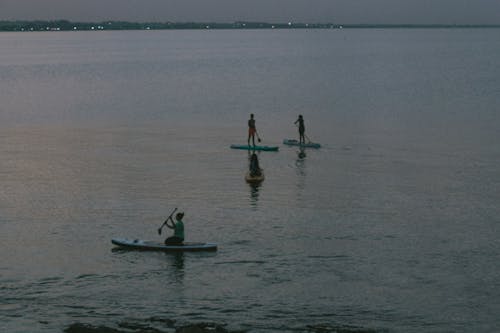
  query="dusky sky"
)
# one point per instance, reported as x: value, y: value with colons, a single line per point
x: 317, y: 11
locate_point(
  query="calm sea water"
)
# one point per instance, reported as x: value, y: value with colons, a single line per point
x: 392, y: 226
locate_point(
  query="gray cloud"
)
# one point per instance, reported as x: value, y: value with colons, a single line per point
x: 337, y: 11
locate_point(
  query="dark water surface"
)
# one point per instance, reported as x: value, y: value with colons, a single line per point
x: 392, y: 226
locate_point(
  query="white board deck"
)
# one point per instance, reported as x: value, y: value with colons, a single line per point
x: 139, y: 244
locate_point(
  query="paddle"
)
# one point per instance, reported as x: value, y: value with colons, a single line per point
x: 258, y: 137
x: 308, y: 140
x: 168, y: 218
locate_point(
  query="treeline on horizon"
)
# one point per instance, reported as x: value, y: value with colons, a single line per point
x: 64, y: 25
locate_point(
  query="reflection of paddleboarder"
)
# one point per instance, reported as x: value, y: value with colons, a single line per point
x: 251, y: 130
x: 302, y: 128
x: 302, y: 153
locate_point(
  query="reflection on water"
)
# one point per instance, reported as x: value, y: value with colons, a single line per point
x: 302, y: 153
x: 300, y: 163
x: 254, y: 194
x: 176, y: 260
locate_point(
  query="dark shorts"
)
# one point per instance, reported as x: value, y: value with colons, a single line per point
x: 173, y: 241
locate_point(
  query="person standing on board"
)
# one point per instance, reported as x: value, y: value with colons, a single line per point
x: 251, y: 130
x: 178, y: 227
x: 302, y: 129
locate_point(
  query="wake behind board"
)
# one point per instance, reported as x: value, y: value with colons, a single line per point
x: 263, y: 148
x: 293, y: 142
x: 137, y: 244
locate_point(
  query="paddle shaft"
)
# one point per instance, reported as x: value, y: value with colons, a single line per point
x: 168, y: 218
x: 258, y: 137
x: 305, y: 135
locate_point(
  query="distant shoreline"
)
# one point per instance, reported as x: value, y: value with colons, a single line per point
x: 64, y: 25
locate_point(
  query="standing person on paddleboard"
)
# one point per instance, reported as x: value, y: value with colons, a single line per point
x: 178, y: 227
x: 251, y: 130
x: 302, y: 129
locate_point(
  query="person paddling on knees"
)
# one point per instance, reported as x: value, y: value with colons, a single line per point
x: 178, y: 227
x: 255, y: 169
x: 251, y: 130
x: 302, y: 129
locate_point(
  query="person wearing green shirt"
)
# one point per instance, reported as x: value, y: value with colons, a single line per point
x: 178, y: 227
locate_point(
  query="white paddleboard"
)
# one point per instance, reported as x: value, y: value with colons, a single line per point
x: 139, y: 244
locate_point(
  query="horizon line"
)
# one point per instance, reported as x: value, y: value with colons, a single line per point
x: 64, y: 25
